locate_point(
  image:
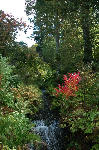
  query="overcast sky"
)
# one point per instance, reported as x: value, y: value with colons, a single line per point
x: 16, y: 8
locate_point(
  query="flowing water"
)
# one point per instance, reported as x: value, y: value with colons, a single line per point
x: 47, y: 126
x: 49, y: 133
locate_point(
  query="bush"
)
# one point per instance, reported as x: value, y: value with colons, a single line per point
x: 80, y: 110
x: 28, y: 99
x: 6, y: 96
x: 15, y: 130
x: 29, y: 66
x: 16, y: 101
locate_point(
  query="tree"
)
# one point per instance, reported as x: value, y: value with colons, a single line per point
x: 88, y: 9
x: 46, y: 20
x: 51, y: 17
x: 8, y: 29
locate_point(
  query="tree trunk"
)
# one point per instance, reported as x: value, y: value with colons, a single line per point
x: 57, y: 31
x: 85, y: 21
x: 57, y: 41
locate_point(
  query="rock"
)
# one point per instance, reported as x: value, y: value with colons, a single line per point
x: 40, y: 145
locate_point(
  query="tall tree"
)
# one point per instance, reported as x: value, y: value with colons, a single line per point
x: 51, y: 15
x: 46, y: 20
x: 87, y: 9
x: 86, y: 25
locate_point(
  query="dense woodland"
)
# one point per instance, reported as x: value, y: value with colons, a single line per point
x: 64, y: 61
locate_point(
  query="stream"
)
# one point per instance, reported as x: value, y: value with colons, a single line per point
x: 47, y: 126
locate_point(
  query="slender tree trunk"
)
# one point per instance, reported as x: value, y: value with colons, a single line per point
x: 85, y: 21
x: 57, y: 41
x: 57, y: 31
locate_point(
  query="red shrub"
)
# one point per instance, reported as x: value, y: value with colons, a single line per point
x: 70, y: 85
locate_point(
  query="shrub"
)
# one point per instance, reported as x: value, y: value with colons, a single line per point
x: 6, y: 96
x: 15, y: 130
x: 28, y: 99
x: 69, y: 86
x: 78, y: 107
x: 29, y: 66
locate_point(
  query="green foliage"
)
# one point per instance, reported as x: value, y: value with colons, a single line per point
x: 18, y: 96
x: 71, y: 52
x: 49, y: 51
x: 95, y: 147
x: 67, y: 35
x: 70, y: 25
x: 73, y: 145
x: 29, y: 66
x: 15, y: 129
x: 16, y: 100
x: 84, y: 120
x: 81, y: 113
x: 89, y: 86
x: 6, y: 97
x: 28, y: 98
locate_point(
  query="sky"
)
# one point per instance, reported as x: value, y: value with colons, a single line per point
x: 16, y: 8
